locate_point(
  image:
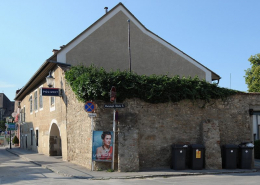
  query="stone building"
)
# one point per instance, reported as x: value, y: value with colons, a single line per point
x: 145, y: 132
x: 6, y: 107
x: 43, y: 118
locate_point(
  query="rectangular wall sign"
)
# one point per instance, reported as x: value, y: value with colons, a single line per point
x: 50, y: 92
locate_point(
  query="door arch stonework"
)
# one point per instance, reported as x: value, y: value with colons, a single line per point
x: 54, y: 140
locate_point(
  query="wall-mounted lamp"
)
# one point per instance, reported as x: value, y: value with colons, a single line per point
x: 50, y: 80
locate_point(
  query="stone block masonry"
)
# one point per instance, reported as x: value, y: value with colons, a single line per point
x: 211, y: 141
x: 145, y: 132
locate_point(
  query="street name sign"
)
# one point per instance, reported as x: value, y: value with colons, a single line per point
x: 92, y: 115
x: 115, y: 106
x: 11, y: 126
x: 50, y: 91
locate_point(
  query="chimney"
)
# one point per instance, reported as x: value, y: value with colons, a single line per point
x: 106, y: 9
x: 54, y: 51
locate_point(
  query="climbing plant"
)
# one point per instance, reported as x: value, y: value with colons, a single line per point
x: 92, y: 83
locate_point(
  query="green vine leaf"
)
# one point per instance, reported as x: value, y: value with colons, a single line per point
x: 92, y: 83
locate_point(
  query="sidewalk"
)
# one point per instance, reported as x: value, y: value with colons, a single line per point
x: 57, y: 165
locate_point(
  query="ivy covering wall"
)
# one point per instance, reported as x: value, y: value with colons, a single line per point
x: 92, y: 83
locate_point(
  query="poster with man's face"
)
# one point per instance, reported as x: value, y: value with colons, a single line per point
x: 102, y: 147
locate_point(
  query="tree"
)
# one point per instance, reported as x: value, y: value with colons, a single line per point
x: 252, y: 76
x: 2, y: 125
x: 15, y: 140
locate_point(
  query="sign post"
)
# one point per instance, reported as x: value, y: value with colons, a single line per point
x: 90, y: 107
x: 115, y: 117
x: 113, y: 99
x: 10, y: 127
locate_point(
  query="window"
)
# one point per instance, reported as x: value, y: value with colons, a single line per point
x: 36, y: 137
x: 52, y: 101
x: 40, y: 99
x: 22, y: 115
x: 31, y: 104
x: 31, y: 136
x: 52, y: 98
x: 256, y: 125
x: 35, y: 101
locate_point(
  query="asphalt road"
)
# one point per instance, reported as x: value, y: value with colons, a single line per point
x: 14, y: 170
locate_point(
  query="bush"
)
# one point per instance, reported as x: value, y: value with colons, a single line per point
x: 15, y: 140
x: 257, y: 149
x: 92, y: 83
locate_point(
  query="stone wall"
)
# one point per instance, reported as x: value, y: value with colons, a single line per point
x: 78, y: 131
x: 145, y: 132
x: 211, y: 141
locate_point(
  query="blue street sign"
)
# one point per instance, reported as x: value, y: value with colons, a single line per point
x: 89, y: 106
x: 11, y: 126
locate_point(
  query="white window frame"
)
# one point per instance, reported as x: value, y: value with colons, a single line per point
x: 22, y: 115
x: 52, y: 106
x: 40, y: 98
x: 31, y: 104
x: 35, y: 96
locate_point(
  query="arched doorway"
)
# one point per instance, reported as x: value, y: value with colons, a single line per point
x: 55, y: 141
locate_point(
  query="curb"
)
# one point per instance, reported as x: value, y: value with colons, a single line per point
x: 38, y: 164
x: 171, y: 175
x: 130, y: 177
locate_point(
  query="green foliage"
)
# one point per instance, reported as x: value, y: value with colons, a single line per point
x: 15, y: 140
x: 110, y: 170
x: 252, y: 76
x: 257, y: 149
x: 92, y: 83
x: 2, y: 125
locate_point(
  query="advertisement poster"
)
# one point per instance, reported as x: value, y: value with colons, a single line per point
x: 102, y: 147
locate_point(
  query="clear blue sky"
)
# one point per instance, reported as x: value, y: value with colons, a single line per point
x: 220, y: 34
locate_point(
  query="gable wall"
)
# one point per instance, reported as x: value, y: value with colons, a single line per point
x: 108, y: 47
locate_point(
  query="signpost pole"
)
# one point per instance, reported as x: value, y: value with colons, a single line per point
x: 114, y: 137
x: 92, y: 162
x: 90, y: 107
x: 10, y: 139
x: 113, y: 99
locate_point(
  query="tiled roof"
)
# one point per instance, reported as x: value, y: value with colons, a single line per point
x: 40, y: 74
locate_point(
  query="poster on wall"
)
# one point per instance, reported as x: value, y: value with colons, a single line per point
x: 102, y: 147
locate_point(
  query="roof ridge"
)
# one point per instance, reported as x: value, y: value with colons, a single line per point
x: 121, y: 4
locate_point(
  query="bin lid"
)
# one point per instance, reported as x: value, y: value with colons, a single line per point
x: 179, y: 146
x: 197, y: 146
x: 230, y: 146
x: 244, y: 146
